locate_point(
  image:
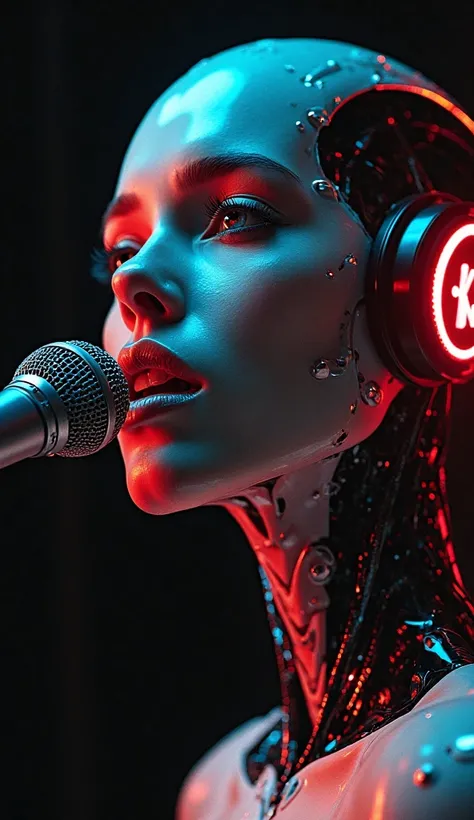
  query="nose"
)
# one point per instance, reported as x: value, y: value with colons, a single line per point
x: 147, y: 297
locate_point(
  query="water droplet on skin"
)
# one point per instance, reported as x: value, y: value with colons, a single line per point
x: 376, y: 78
x: 320, y: 369
x: 371, y: 394
x: 350, y: 259
x: 325, y: 188
x: 424, y: 775
x: 290, y: 69
x: 317, y: 117
x: 299, y: 125
x: 353, y: 407
x: 330, y: 274
x: 338, y: 366
x: 315, y: 77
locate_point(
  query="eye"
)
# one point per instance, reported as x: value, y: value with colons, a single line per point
x: 104, y: 263
x: 122, y: 252
x: 236, y: 216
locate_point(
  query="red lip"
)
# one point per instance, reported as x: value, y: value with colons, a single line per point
x: 147, y: 354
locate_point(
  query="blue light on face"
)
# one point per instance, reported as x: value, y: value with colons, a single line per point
x: 207, y: 104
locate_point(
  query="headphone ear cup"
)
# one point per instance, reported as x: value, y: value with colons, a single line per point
x: 420, y: 271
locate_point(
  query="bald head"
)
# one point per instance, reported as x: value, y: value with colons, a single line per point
x: 232, y: 249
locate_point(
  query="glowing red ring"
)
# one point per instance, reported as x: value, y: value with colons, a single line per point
x: 458, y: 236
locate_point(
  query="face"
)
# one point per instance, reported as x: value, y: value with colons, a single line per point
x: 225, y: 254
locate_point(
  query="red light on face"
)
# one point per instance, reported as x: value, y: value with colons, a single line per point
x: 452, y: 299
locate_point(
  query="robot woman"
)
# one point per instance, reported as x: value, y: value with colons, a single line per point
x: 291, y: 252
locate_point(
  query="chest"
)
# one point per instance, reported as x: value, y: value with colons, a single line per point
x: 419, y: 765
x: 325, y: 784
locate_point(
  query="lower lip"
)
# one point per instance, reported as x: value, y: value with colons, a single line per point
x: 150, y: 406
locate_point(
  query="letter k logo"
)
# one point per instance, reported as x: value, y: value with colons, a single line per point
x: 465, y: 312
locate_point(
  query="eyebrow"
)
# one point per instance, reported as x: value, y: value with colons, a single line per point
x: 198, y: 171
x: 202, y: 170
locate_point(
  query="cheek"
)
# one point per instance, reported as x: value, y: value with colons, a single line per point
x: 115, y: 333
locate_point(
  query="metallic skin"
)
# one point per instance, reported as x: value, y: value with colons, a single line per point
x: 331, y: 466
x: 252, y: 317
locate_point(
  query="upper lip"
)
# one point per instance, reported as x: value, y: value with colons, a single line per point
x: 148, y: 354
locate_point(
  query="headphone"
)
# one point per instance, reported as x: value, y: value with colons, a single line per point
x: 420, y: 290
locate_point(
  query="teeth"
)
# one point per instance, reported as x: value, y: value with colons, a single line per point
x: 156, y: 378
x: 150, y: 378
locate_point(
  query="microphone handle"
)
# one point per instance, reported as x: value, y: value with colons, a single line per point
x: 33, y: 420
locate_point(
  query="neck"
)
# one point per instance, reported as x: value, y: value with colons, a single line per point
x: 287, y: 525
x: 373, y: 525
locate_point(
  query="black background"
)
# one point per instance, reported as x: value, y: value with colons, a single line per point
x: 130, y: 644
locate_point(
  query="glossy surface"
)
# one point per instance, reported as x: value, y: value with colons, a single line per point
x: 376, y: 778
x: 364, y: 597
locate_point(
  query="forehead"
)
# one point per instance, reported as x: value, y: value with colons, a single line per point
x: 255, y: 98
x: 246, y: 100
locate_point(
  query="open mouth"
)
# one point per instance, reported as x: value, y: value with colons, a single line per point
x: 156, y: 382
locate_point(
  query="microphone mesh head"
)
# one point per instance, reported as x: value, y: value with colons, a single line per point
x: 81, y: 392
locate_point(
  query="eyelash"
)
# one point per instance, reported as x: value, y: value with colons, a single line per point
x: 103, y: 261
x: 216, y: 207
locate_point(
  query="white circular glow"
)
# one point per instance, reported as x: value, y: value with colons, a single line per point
x: 465, y: 743
x: 458, y: 236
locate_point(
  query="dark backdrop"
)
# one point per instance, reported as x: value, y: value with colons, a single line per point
x: 131, y: 644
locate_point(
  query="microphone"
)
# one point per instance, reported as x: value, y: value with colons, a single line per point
x: 66, y: 398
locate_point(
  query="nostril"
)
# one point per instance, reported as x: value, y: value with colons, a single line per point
x: 128, y: 316
x: 149, y: 303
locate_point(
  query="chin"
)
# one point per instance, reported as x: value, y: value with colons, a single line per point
x: 153, y: 488
x: 151, y: 503
x: 168, y: 479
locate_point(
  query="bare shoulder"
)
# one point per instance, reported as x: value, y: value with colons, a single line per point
x: 218, y: 773
x: 422, y: 765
